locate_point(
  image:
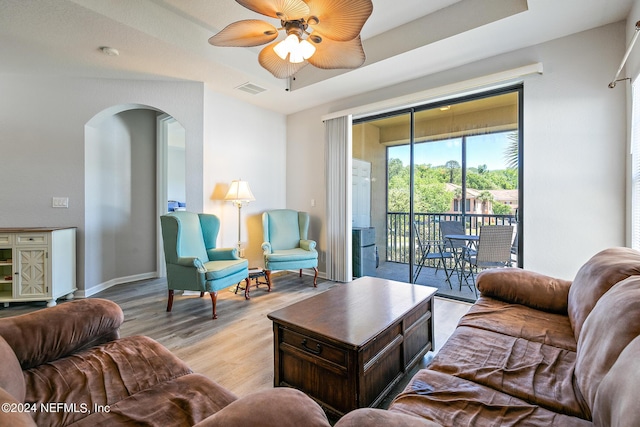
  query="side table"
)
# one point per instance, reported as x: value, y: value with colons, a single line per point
x: 255, y: 274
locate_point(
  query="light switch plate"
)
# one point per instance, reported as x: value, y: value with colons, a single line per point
x: 60, y: 202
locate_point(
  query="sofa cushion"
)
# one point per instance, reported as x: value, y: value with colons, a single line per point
x: 102, y: 375
x: 13, y: 418
x: 279, y: 407
x: 531, y: 371
x: 379, y: 417
x: 11, y: 378
x: 515, y: 285
x: 453, y: 401
x: 613, y: 323
x: 180, y: 402
x: 52, y: 333
x: 520, y: 321
x: 595, y: 277
x: 617, y: 397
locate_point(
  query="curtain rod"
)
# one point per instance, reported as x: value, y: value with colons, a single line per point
x: 624, y: 59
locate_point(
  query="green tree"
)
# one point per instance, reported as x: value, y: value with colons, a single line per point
x: 452, y: 166
x: 512, y: 155
x: 485, y: 197
x: 500, y: 208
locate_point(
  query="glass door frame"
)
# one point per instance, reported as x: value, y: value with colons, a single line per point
x: 515, y: 88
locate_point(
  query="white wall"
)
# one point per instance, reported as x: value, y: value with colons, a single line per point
x: 574, y: 146
x: 247, y: 142
x: 176, y: 166
x: 632, y: 68
x: 42, y: 137
x: 120, y: 172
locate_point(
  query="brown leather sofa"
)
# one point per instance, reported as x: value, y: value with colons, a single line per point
x: 66, y: 365
x: 532, y: 351
x: 535, y: 351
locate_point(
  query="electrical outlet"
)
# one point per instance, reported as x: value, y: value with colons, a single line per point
x: 60, y: 202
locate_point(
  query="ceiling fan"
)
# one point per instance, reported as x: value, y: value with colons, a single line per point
x: 323, y: 33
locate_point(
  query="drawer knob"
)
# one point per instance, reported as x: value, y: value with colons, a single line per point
x: 309, y: 349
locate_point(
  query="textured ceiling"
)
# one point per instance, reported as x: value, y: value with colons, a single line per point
x: 167, y: 40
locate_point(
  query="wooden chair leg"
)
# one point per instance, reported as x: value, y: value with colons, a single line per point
x: 246, y: 288
x: 315, y: 277
x: 214, y: 299
x: 170, y: 300
x: 300, y: 272
x: 201, y: 294
x: 267, y: 275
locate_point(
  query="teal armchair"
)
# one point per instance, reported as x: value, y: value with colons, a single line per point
x: 193, y: 261
x: 286, y: 245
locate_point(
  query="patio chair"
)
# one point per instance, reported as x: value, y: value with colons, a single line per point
x: 514, y: 250
x: 431, y: 250
x: 456, y: 248
x: 494, y: 250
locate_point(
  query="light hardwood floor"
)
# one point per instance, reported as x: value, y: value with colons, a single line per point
x: 235, y: 350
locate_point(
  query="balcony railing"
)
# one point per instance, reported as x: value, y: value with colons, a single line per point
x: 427, y: 224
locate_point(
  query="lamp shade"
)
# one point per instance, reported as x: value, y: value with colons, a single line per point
x: 239, y: 192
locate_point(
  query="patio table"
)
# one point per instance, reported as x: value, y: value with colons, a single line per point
x: 471, y: 241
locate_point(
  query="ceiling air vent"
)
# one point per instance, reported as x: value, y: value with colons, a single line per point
x: 251, y: 88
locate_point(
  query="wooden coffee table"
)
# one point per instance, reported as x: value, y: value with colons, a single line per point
x: 347, y: 347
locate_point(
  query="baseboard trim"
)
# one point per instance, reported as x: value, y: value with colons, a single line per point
x: 85, y: 293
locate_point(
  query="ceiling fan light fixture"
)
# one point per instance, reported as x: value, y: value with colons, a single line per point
x: 323, y: 33
x: 306, y: 49
x: 297, y: 50
x: 286, y: 46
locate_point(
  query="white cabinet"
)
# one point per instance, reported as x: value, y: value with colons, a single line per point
x: 37, y: 264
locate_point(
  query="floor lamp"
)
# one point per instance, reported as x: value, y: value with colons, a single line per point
x: 239, y: 193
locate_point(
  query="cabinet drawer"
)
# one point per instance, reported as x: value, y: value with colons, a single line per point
x: 6, y: 239
x: 315, y: 348
x: 31, y: 239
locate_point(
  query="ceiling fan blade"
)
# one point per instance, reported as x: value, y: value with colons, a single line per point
x: 340, y: 20
x: 332, y: 54
x: 250, y: 32
x: 277, y: 66
x: 282, y: 9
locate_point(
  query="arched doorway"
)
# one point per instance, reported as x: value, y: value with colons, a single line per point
x: 126, y: 184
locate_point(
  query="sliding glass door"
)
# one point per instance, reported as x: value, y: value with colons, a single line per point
x: 456, y: 161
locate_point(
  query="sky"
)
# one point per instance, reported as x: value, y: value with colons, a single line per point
x: 481, y: 150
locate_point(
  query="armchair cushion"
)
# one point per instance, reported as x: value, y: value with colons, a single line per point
x: 282, y: 229
x: 297, y: 254
x: 223, y: 268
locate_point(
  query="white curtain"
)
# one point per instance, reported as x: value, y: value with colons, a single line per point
x: 635, y: 167
x: 338, y: 161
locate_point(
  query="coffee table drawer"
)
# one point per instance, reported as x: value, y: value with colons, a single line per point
x: 319, y: 350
